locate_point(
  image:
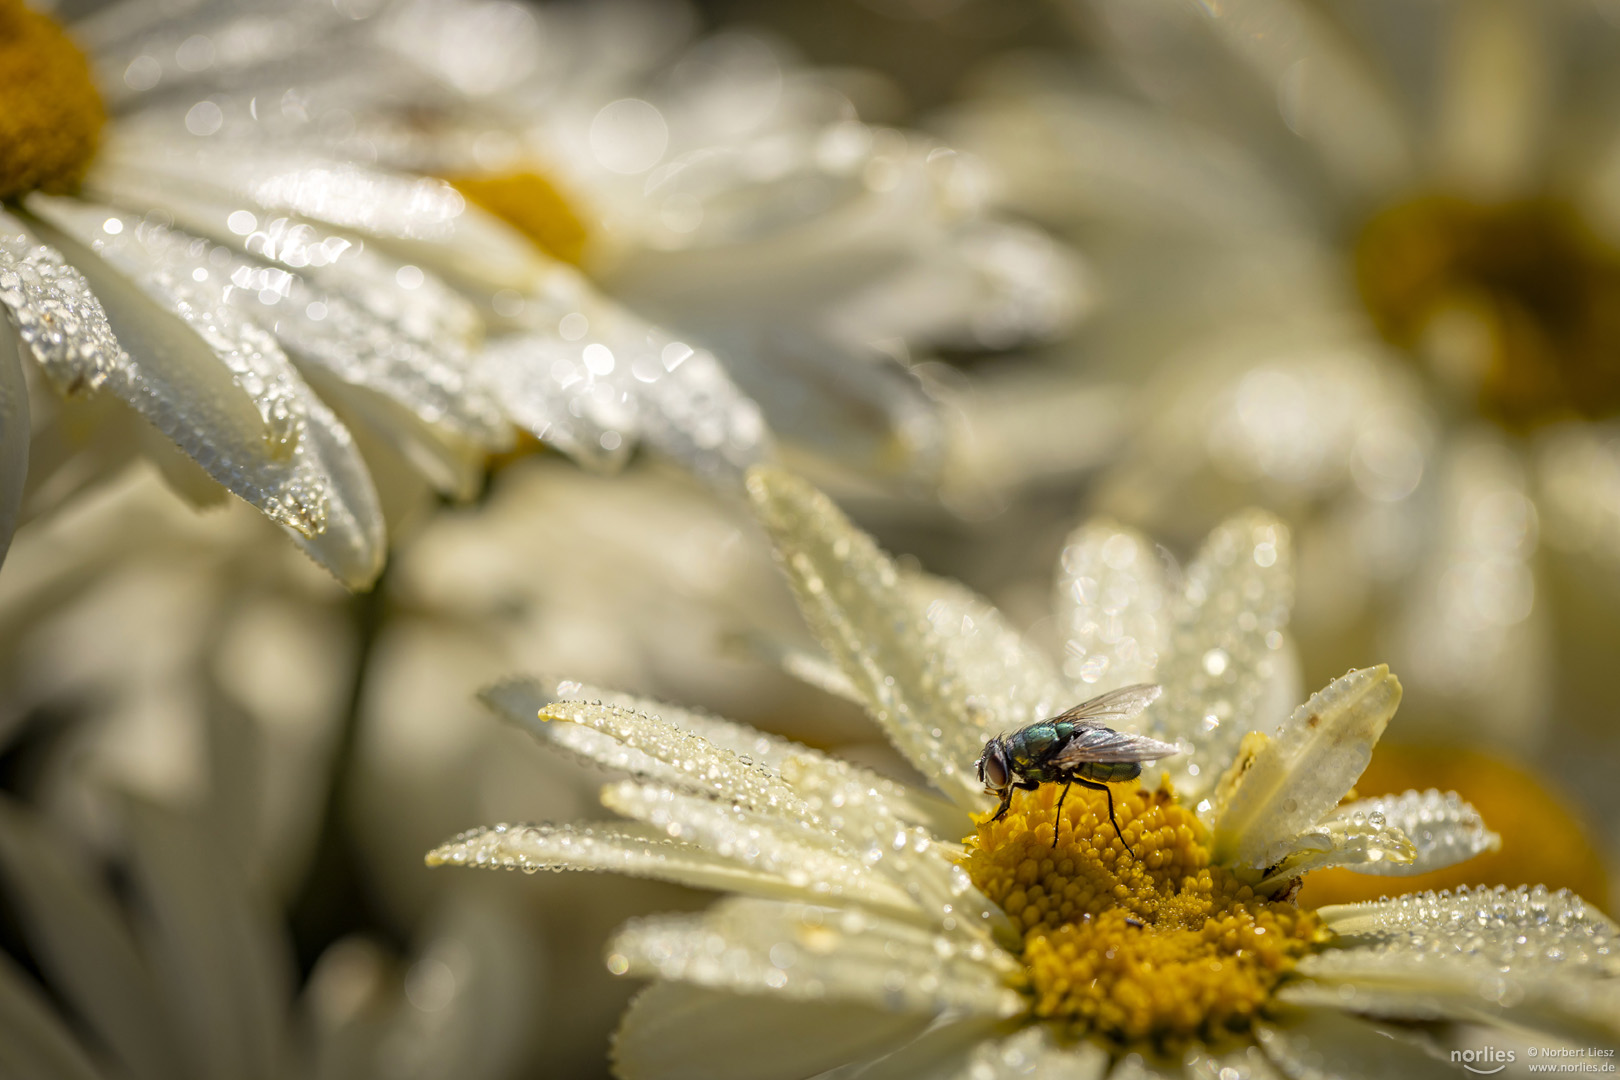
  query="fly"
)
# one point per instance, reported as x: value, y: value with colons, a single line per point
x: 1076, y: 747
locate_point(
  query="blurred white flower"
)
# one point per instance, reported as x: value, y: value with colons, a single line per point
x: 1361, y: 257
x: 717, y: 185
x: 274, y: 307
x: 860, y: 932
x: 184, y: 971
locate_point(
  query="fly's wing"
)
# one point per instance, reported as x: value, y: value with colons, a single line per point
x: 1114, y: 707
x: 1106, y: 747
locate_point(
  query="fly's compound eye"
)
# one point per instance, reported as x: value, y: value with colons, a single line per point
x: 993, y: 770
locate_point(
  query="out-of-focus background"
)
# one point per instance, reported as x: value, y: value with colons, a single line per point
x: 1356, y: 263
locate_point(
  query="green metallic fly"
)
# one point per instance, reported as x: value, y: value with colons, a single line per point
x: 1075, y: 747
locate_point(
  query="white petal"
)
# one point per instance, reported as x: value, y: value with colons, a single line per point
x: 15, y: 431
x: 615, y: 380
x: 939, y: 668
x: 1326, y: 93
x: 809, y: 666
x: 57, y: 317
x: 1444, y: 829
x: 673, y: 1031
x: 1578, y: 489
x: 1227, y: 646
x: 82, y: 942
x: 214, y: 950
x: 1367, y: 845
x: 870, y: 814
x: 221, y: 388
x: 1494, y: 99
x: 805, y: 856
x: 422, y: 219
x: 34, y: 1042
x: 521, y: 700
x: 633, y: 850
x: 1523, y: 929
x: 938, y: 1053
x: 1473, y: 634
x: 1112, y: 607
x: 1304, y: 769
x: 1469, y: 991
x: 821, y: 954
x: 1063, y: 155
x: 1034, y: 1053
x: 1134, y: 1066
x: 700, y: 765
x: 1243, y: 1063
x: 1313, y: 1043
x: 424, y: 399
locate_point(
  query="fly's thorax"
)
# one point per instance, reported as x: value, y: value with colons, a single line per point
x: 1027, y: 746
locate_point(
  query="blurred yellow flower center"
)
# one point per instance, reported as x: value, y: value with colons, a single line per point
x: 1516, y: 306
x: 1157, y: 946
x: 533, y: 206
x: 50, y: 113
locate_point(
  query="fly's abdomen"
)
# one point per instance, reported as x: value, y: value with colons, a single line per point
x: 1109, y: 772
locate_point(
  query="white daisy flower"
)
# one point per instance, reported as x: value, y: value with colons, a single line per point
x: 862, y: 937
x: 1366, y: 251
x: 183, y: 971
x: 716, y: 185
x: 271, y: 308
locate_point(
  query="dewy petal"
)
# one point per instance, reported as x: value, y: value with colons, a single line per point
x: 591, y: 378
x: 520, y: 700
x: 1242, y: 1063
x: 807, y: 857
x: 220, y: 387
x: 634, y: 850
x: 1525, y: 929
x: 15, y: 431
x: 1308, y: 1043
x: 34, y: 1042
x: 1527, y: 956
x: 57, y: 317
x: 700, y: 765
x: 417, y: 303
x: 804, y: 952
x: 1112, y: 607
x: 1444, y: 829
x: 1366, y: 845
x: 674, y: 1031
x: 1302, y: 771
x: 938, y: 668
x: 422, y: 219
x: 1227, y: 647
x: 84, y: 944
x: 869, y: 813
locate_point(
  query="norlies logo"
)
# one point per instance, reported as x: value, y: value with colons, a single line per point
x: 1485, y: 1061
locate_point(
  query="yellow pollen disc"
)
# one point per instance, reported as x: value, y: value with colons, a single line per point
x: 1511, y: 305
x: 1159, y: 946
x: 50, y: 113
x: 531, y: 204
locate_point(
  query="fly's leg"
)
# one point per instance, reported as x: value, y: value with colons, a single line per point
x: 1057, y: 814
x: 1104, y: 788
x: 1006, y: 796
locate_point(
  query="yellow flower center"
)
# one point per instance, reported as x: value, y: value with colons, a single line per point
x: 1513, y: 305
x: 1159, y: 945
x: 50, y: 113
x: 533, y: 206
